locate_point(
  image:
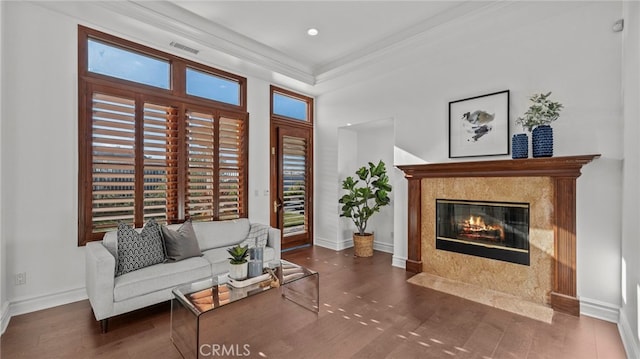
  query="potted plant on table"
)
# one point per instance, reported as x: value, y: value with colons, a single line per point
x: 365, y: 196
x: 537, y: 120
x: 238, y: 262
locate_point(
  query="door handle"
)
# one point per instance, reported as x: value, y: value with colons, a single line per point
x: 276, y: 206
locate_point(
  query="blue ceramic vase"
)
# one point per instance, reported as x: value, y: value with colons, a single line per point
x: 542, y: 141
x: 520, y: 146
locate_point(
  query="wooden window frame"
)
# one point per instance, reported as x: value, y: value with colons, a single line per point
x: 308, y: 100
x: 90, y: 83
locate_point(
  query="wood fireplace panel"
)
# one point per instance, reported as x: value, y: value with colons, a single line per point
x: 533, y: 282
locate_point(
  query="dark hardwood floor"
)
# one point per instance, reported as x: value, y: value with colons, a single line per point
x: 367, y: 310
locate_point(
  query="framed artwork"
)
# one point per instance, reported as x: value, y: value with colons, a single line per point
x: 479, y: 126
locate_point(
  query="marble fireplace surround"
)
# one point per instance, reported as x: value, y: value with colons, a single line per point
x: 548, y: 184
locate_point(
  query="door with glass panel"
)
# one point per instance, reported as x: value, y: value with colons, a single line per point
x: 292, y: 206
x: 292, y: 166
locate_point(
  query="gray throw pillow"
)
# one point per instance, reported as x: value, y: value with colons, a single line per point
x: 258, y: 236
x: 182, y: 243
x: 138, y: 250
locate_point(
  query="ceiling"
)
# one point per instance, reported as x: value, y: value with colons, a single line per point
x: 273, y: 34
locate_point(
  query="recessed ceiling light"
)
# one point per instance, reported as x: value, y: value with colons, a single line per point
x: 312, y: 32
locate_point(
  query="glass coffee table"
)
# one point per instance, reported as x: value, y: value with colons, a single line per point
x: 198, y: 301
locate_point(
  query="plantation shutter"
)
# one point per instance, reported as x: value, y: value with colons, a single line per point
x: 231, y: 182
x: 113, y: 161
x: 135, y: 163
x: 201, y: 159
x: 160, y: 145
x: 294, y: 180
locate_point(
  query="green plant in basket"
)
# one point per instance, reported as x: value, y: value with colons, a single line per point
x: 366, y: 195
x: 542, y: 111
x: 238, y: 254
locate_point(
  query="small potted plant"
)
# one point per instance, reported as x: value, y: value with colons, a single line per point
x: 365, y: 196
x: 537, y: 120
x: 238, y: 262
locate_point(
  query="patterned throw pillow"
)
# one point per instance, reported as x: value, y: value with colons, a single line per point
x: 138, y: 250
x: 181, y: 243
x: 257, y: 237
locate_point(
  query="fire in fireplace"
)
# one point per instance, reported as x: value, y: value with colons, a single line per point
x: 497, y: 230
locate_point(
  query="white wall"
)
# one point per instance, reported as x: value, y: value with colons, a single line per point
x: 375, y: 142
x: 530, y: 47
x: 259, y: 153
x: 39, y: 183
x: 347, y: 164
x: 39, y: 130
x: 4, y: 303
x: 630, y: 267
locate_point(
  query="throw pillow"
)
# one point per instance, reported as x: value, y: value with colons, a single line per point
x: 257, y: 237
x: 138, y: 250
x: 181, y: 243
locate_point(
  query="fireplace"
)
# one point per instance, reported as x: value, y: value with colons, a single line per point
x: 496, y: 230
x: 547, y: 183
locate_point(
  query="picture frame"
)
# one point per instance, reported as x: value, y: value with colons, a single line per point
x: 479, y: 126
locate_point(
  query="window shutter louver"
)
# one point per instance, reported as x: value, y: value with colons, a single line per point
x: 159, y: 135
x: 294, y: 179
x: 200, y: 166
x: 231, y: 184
x: 173, y: 153
x: 113, y: 164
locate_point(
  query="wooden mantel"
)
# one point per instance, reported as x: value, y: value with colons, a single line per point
x: 563, y: 170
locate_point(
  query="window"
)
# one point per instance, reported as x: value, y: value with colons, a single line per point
x: 116, y: 62
x: 148, y: 147
x: 289, y: 106
x: 212, y: 87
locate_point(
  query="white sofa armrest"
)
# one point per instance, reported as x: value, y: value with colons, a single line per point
x: 274, y: 241
x: 100, y: 276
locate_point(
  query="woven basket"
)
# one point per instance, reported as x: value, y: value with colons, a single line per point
x: 363, y: 245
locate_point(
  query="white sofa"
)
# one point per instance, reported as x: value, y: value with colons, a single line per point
x: 110, y: 295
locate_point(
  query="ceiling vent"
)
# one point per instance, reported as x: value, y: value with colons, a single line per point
x: 184, y: 47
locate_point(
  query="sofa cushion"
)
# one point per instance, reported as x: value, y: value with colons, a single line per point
x: 219, y: 259
x: 181, y: 243
x: 138, y: 250
x: 257, y: 237
x: 221, y: 233
x: 160, y: 276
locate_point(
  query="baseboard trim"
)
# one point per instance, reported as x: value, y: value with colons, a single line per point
x: 600, y: 310
x: 628, y: 339
x: 4, y: 317
x: 348, y: 243
x: 333, y: 245
x: 400, y: 262
x: 28, y: 305
x: 383, y: 247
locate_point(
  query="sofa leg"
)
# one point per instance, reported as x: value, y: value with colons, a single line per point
x: 104, y: 325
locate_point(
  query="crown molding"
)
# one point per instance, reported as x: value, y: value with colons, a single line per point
x: 183, y: 24
x: 419, y: 35
x: 206, y: 33
x: 174, y: 19
x: 407, y: 37
x: 253, y: 57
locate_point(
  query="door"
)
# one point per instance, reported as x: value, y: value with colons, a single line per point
x: 292, y: 187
